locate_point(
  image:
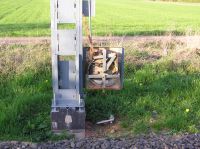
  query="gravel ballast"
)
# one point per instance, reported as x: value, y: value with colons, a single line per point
x: 148, y: 141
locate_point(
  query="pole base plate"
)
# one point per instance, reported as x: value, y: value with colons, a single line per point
x: 71, y: 120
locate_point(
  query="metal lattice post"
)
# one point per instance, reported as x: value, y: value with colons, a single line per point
x: 68, y: 109
x: 69, y: 60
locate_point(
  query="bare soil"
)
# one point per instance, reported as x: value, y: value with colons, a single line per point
x: 107, y: 39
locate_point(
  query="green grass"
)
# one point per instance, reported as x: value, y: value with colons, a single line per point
x: 168, y: 91
x: 164, y: 86
x: 187, y: 1
x: 25, y: 93
x: 130, y: 17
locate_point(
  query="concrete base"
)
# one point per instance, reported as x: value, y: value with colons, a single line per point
x: 78, y: 134
x: 71, y: 120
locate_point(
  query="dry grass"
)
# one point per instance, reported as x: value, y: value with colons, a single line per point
x: 16, y: 59
x: 142, y: 50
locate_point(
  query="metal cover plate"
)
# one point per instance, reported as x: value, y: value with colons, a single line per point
x: 86, y: 8
x: 66, y: 11
x: 67, y: 94
x: 66, y: 41
x: 67, y: 76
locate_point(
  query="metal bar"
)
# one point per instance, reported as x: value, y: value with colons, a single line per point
x: 104, y: 60
x: 54, y: 45
x: 98, y: 57
x: 101, y: 76
x: 71, y: 106
x: 111, y: 61
x: 112, y: 76
x: 95, y: 76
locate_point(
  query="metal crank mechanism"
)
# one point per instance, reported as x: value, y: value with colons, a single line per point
x: 103, y: 69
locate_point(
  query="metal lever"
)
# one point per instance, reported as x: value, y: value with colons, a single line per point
x: 111, y: 120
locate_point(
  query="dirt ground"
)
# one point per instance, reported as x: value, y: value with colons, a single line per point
x: 120, y: 40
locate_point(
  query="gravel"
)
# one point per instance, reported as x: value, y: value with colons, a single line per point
x: 140, y: 142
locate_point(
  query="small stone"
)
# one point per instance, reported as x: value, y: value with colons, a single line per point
x: 14, y: 142
x: 120, y: 144
x: 6, y: 147
x: 154, y: 114
x: 96, y: 144
x: 88, y: 146
x: 105, y: 145
x: 112, y: 131
x: 66, y: 143
x: 33, y: 146
x: 72, y: 144
x: 79, y: 144
x: 97, y: 147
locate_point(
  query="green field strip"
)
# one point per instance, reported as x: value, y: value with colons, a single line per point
x: 130, y: 17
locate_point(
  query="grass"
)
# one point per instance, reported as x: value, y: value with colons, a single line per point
x: 187, y: 1
x: 161, y: 93
x: 25, y: 93
x: 132, y: 17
